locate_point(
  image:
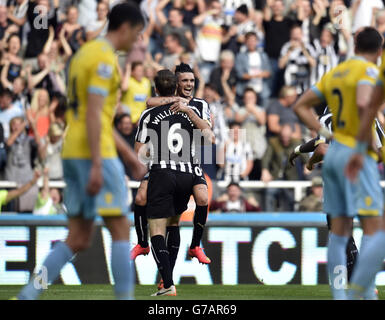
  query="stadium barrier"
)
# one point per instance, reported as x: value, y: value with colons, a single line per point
x: 299, y: 186
x: 256, y: 248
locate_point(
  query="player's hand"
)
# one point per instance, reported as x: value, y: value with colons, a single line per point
x: 292, y: 157
x: 179, y: 106
x: 354, y: 166
x: 95, y: 180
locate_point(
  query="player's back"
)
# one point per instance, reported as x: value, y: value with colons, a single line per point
x: 339, y: 88
x: 93, y: 69
x: 171, y: 136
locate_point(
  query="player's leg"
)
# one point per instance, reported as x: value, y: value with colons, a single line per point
x: 200, y: 193
x: 160, y: 206
x: 161, y: 255
x: 121, y: 265
x: 351, y: 251
x: 111, y: 204
x: 372, y: 253
x: 141, y: 221
x: 78, y: 239
x: 173, y: 239
x: 339, y: 202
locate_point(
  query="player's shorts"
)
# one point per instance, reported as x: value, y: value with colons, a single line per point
x: 199, y: 177
x: 109, y: 202
x: 168, y: 193
x: 344, y: 198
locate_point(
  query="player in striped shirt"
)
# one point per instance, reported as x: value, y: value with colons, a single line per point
x: 185, y: 89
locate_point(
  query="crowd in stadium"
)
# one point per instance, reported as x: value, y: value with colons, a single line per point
x: 252, y: 59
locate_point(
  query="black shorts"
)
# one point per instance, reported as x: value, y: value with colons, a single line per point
x: 199, y: 177
x: 168, y: 193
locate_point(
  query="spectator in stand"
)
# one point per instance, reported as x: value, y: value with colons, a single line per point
x: 225, y: 69
x: 173, y: 50
x: 12, y: 63
x: 280, y: 112
x: 253, y: 70
x: 218, y: 108
x: 326, y: 57
x: 98, y: 28
x: 277, y: 32
x: 22, y: 152
x: 243, y: 23
x: 136, y: 89
x: 363, y: 12
x: 49, y: 200
x: 17, y: 14
x: 51, y: 147
x: 174, y: 24
x: 276, y: 166
x: 313, y: 202
x: 238, y: 161
x: 40, y: 16
x: 297, y: 59
x: 74, y: 32
x: 20, y: 97
x: 190, y: 9
x: 209, y: 37
x: 379, y: 22
x: 124, y: 126
x: 234, y: 201
x: 6, y: 196
x: 341, y: 26
x: 253, y: 121
x: 40, y: 113
x: 5, y: 24
x: 8, y: 111
x: 47, y: 76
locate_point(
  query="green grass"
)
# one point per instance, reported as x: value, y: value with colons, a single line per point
x: 187, y: 292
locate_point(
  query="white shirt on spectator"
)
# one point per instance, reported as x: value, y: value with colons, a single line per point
x: 87, y: 12
x: 96, y: 25
x: 363, y: 17
x: 209, y: 39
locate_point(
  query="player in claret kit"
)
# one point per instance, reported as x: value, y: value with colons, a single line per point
x: 93, y: 172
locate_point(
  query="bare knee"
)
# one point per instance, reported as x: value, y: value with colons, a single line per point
x: 79, y: 243
x: 201, y: 195
x: 141, y: 196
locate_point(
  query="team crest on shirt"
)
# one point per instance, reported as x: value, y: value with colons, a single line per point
x: 372, y: 72
x: 108, y: 197
x: 368, y: 201
x: 104, y: 71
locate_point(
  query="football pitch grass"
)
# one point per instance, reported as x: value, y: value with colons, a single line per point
x: 186, y: 292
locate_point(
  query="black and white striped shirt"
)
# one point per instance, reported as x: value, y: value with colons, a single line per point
x: 170, y: 136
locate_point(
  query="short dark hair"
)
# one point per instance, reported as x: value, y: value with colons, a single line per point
x: 119, y: 117
x: 183, y: 68
x: 175, y: 36
x: 6, y: 92
x: 251, y: 34
x: 368, y: 40
x: 124, y: 12
x: 135, y: 64
x: 165, y: 82
x: 233, y: 183
x: 234, y: 123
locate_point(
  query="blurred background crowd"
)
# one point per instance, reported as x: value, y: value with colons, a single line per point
x: 252, y: 59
